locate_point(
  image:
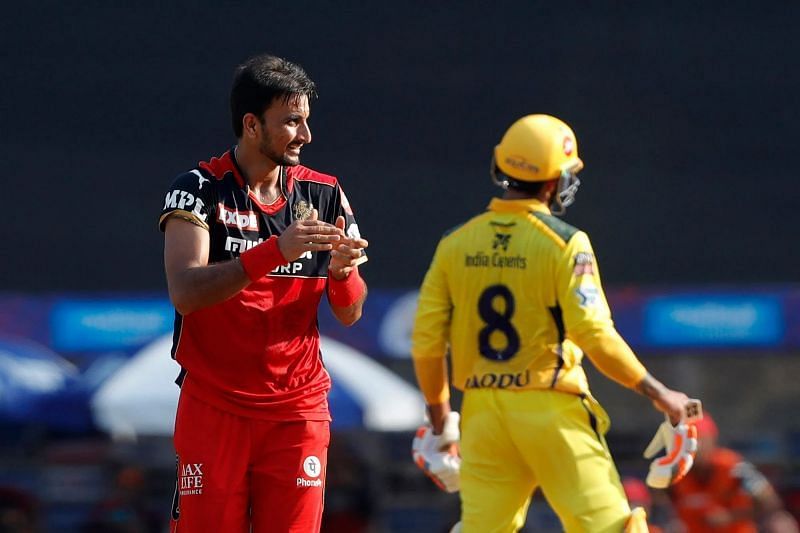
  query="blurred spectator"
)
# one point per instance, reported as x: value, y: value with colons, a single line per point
x: 639, y: 496
x: 348, y: 504
x: 126, y: 509
x: 660, y: 514
x: 723, y: 493
x: 17, y: 511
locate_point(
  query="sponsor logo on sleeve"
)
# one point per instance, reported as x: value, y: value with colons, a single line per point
x: 183, y: 200
x: 588, y: 295
x: 584, y: 264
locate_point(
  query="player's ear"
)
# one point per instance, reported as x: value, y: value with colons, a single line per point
x: 250, y: 125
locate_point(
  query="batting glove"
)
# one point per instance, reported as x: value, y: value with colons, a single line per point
x: 680, y: 442
x: 437, y: 456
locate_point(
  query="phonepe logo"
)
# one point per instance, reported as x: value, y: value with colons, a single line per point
x: 312, y: 467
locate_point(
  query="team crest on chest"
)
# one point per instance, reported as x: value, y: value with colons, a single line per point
x: 302, y: 210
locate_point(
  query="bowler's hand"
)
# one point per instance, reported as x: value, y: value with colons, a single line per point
x: 346, y: 253
x: 310, y: 235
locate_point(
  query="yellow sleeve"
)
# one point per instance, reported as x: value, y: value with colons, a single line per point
x: 587, y: 318
x: 431, y: 332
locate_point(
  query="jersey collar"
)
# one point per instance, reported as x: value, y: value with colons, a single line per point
x: 238, y: 173
x: 501, y: 205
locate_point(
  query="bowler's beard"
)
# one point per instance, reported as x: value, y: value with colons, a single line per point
x: 279, y: 158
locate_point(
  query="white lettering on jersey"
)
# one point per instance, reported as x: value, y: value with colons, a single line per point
x: 289, y: 268
x: 198, y: 206
x: 246, y: 220
x: 312, y: 467
x: 191, y: 479
x: 178, y: 199
x: 292, y: 268
x: 236, y: 245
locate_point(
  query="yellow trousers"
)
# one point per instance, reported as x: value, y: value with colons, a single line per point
x: 513, y: 442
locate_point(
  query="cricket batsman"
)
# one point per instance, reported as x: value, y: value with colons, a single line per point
x: 514, y: 296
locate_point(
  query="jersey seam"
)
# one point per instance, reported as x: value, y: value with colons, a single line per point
x: 541, y: 226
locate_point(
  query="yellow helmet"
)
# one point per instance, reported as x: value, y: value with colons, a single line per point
x: 539, y: 148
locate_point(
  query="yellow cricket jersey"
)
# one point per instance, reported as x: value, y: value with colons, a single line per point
x: 515, y: 293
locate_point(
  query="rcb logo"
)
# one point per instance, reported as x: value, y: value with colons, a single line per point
x: 302, y: 210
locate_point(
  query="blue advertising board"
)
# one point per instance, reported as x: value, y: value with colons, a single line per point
x: 84, y: 324
x: 713, y: 320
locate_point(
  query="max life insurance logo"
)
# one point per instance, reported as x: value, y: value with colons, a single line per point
x: 190, y: 480
x: 312, y: 468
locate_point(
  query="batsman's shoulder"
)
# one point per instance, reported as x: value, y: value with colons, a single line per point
x: 459, y: 228
x: 564, y: 231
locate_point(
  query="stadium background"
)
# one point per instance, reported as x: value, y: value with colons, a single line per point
x: 686, y: 117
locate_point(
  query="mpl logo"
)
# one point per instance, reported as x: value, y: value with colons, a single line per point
x: 312, y: 467
x: 179, y: 199
x: 246, y: 220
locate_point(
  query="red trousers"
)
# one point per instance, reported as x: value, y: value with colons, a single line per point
x: 235, y: 472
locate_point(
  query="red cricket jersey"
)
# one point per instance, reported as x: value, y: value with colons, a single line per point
x: 257, y: 354
x: 729, y: 488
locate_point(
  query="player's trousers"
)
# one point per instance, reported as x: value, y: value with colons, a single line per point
x: 235, y: 472
x: 513, y: 442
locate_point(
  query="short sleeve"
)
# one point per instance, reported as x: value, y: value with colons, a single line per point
x: 343, y: 208
x: 190, y: 197
x: 431, y: 331
x: 580, y: 292
x: 587, y: 317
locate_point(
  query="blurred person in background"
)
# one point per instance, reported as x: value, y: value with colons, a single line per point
x: 660, y: 514
x: 724, y: 493
x: 126, y: 509
x: 638, y: 495
x: 515, y: 295
x: 253, y: 240
x: 18, y: 511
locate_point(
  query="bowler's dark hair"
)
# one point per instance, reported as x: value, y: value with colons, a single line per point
x: 261, y: 79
